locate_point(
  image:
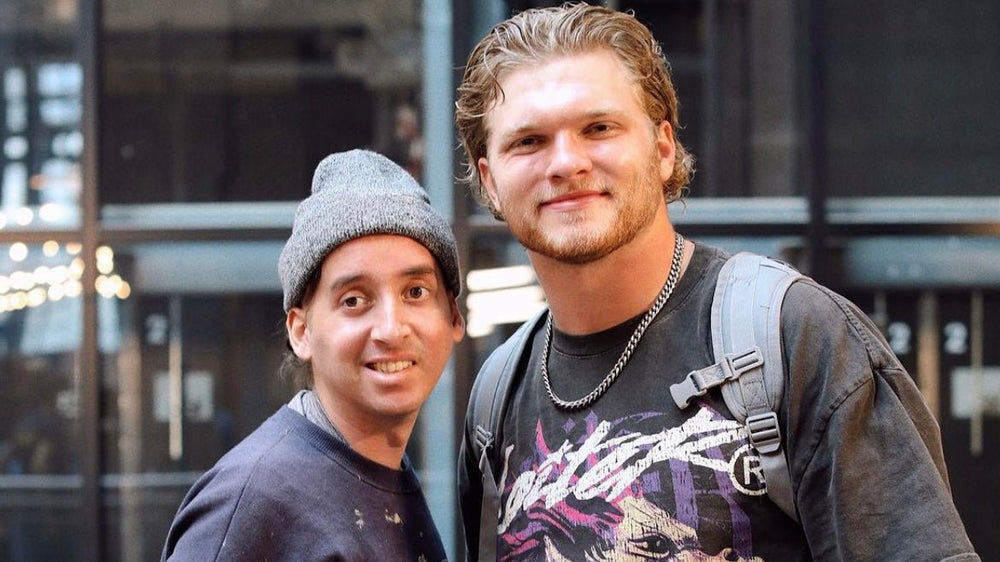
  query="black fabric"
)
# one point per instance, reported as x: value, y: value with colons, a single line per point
x: 291, y: 491
x: 635, y: 474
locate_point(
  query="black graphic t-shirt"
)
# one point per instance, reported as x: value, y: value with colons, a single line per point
x: 633, y: 477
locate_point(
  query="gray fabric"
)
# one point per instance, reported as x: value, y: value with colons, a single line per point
x: 307, y: 403
x: 359, y: 193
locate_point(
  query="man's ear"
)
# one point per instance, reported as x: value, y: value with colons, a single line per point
x: 666, y: 148
x: 298, y: 333
x: 489, y: 187
x: 457, y: 322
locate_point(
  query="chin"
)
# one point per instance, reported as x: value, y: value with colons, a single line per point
x: 399, y: 408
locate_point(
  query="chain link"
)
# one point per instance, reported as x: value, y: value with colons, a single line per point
x: 647, y: 319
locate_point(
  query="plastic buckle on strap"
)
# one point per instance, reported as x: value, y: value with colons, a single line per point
x: 697, y: 383
x: 484, y: 440
x: 739, y: 363
x: 765, y: 435
x: 685, y: 391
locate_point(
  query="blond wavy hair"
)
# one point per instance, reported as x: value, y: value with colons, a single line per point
x: 536, y: 35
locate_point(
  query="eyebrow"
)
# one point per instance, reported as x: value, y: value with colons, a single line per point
x: 419, y: 270
x: 414, y: 271
x: 588, y: 115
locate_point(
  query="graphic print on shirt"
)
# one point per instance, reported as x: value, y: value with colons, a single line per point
x: 631, y: 489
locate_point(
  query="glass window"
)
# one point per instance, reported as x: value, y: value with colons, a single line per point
x: 223, y: 101
x: 41, y: 312
x: 40, y: 335
x: 913, y: 98
x: 192, y: 370
x: 41, y: 84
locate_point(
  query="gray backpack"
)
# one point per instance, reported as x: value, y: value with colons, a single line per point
x: 746, y: 341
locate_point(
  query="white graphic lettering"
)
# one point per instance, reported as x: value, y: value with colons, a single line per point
x: 752, y: 483
x: 622, y: 459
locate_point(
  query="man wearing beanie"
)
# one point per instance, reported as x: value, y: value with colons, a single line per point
x: 370, y: 278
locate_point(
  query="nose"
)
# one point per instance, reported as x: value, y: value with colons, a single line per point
x: 390, y: 323
x: 569, y: 157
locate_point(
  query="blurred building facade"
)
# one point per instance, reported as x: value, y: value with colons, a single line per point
x: 152, y: 154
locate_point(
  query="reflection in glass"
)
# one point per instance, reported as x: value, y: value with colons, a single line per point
x: 41, y: 145
x: 188, y: 377
x: 238, y: 101
x: 40, y: 336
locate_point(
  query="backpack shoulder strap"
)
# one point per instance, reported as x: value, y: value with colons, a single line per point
x: 749, y: 368
x: 490, y: 392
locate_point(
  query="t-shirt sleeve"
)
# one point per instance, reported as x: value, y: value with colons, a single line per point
x: 218, y: 520
x: 200, y: 526
x: 865, y: 452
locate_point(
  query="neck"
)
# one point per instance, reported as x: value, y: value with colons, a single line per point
x: 587, y: 298
x: 383, y: 440
x: 385, y: 448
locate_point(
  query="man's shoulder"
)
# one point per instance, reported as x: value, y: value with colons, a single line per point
x: 707, y: 256
x: 703, y: 269
x: 265, y: 451
x: 809, y: 303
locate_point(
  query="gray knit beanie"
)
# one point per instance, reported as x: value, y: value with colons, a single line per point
x: 355, y: 194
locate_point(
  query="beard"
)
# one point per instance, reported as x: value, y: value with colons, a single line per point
x: 579, y: 237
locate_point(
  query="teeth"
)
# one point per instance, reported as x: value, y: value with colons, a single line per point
x: 392, y: 366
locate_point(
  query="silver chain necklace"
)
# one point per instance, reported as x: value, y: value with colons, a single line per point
x: 661, y: 299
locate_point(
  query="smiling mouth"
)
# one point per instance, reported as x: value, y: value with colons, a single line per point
x: 573, y: 199
x: 391, y: 366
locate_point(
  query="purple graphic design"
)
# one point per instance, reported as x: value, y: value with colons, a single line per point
x: 635, y: 488
x: 741, y: 522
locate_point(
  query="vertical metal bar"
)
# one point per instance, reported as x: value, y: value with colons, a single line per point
x: 89, y: 374
x: 175, y: 375
x: 816, y: 157
x: 438, y: 109
x: 976, y: 335
x: 438, y: 119
x: 130, y: 437
x: 712, y: 86
x: 464, y: 27
x: 929, y: 352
